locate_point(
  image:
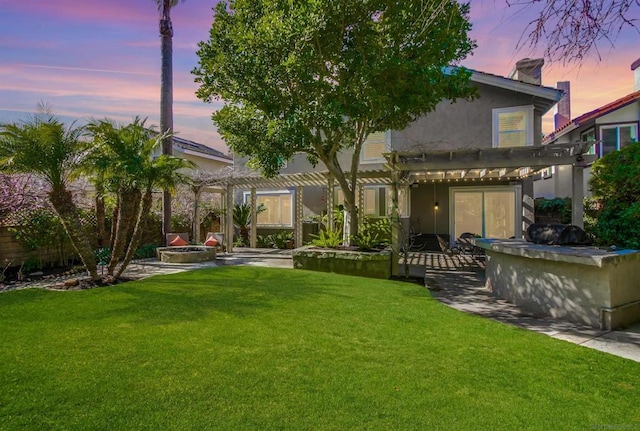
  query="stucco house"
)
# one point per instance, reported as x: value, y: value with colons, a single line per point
x: 465, y: 167
x: 611, y: 127
x: 206, y: 158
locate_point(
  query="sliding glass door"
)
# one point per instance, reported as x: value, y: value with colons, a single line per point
x: 491, y: 212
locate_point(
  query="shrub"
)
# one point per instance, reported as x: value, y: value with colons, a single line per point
x: 374, y: 233
x: 557, y: 209
x: 280, y: 239
x: 615, y: 184
x: 327, y: 238
x: 264, y: 241
x: 147, y: 250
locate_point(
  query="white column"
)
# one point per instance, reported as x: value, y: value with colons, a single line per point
x: 228, y: 235
x: 253, y: 229
x: 577, y: 198
x: 299, y: 211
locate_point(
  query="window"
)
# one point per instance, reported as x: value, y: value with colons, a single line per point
x: 378, y: 200
x: 373, y: 148
x: 616, y: 137
x: 589, y: 136
x: 490, y: 211
x: 513, y: 127
x: 278, y: 207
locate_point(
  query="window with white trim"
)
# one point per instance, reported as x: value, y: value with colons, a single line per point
x: 373, y: 148
x: 589, y: 136
x: 278, y: 207
x: 616, y: 137
x: 378, y: 200
x: 513, y: 127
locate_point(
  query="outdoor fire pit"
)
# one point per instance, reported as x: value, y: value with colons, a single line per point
x: 186, y: 254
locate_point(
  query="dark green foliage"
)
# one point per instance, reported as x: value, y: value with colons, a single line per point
x: 147, y: 250
x: 327, y: 238
x: 103, y: 255
x: 283, y: 239
x: 556, y: 210
x: 615, y: 184
x: 375, y: 233
x: 264, y: 241
x: 41, y: 229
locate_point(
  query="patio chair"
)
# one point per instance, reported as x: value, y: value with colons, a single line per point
x: 448, y: 249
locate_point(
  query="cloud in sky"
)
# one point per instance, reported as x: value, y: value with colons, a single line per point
x: 95, y: 59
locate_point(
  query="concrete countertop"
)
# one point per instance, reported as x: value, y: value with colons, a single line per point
x: 592, y: 256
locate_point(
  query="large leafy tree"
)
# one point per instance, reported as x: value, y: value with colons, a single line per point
x: 166, y: 95
x: 318, y: 76
x: 615, y: 184
x: 45, y: 147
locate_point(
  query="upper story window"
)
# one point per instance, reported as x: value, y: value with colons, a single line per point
x: 589, y: 136
x: 616, y: 137
x: 278, y: 207
x: 513, y: 127
x: 373, y: 148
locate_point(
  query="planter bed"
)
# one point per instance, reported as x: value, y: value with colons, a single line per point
x: 372, y: 264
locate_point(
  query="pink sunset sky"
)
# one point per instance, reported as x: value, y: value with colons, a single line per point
x: 95, y: 59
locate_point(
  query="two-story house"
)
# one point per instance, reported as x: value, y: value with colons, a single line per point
x: 465, y: 167
x: 612, y: 127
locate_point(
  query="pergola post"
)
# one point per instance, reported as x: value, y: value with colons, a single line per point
x: 395, y: 224
x: 360, y: 202
x: 253, y: 232
x: 577, y: 204
x: 299, y: 212
x: 228, y: 234
x: 330, y: 203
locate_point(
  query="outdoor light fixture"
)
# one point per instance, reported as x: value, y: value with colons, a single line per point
x: 435, y: 206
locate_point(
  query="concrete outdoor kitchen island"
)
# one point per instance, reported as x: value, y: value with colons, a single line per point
x: 586, y: 285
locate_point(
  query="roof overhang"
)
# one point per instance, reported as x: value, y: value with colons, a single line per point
x: 544, y: 97
x: 204, y: 155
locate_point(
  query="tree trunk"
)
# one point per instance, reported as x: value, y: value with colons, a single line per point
x: 145, y: 208
x: 196, y: 215
x: 166, y: 101
x: 129, y: 201
x: 101, y: 226
x: 62, y: 203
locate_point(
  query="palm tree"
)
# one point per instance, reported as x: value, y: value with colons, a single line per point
x: 161, y: 172
x: 125, y: 153
x: 166, y: 96
x: 43, y: 146
x: 242, y: 218
x: 117, y: 155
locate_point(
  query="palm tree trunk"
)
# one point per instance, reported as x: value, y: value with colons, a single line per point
x: 101, y: 229
x: 145, y: 208
x: 62, y: 202
x: 166, y: 101
x: 128, y: 205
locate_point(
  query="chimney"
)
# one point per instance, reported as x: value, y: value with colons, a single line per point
x: 528, y: 70
x: 563, y: 114
x: 635, y: 66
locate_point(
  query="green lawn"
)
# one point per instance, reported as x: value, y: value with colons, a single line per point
x: 236, y: 348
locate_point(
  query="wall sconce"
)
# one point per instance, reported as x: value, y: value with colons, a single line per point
x: 435, y: 206
x: 580, y: 163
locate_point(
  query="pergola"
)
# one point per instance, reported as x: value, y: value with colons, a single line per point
x: 407, y: 167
